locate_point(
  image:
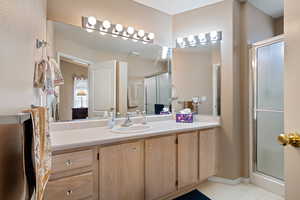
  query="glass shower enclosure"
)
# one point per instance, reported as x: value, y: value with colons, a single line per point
x: 268, y: 107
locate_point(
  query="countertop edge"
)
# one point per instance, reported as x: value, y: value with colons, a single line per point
x: 56, y: 148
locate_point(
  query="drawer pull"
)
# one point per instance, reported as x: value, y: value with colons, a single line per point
x: 69, y: 193
x: 68, y: 163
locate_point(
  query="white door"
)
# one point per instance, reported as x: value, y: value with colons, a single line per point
x: 164, y: 88
x: 292, y: 96
x: 150, y: 94
x: 102, y: 85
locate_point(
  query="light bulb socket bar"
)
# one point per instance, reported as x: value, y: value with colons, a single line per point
x: 199, y: 40
x: 147, y: 38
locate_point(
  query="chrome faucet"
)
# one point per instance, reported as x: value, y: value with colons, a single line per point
x: 127, y: 121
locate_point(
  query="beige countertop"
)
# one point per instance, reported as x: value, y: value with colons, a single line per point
x: 74, y: 138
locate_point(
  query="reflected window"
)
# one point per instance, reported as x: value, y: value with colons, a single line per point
x: 80, y: 92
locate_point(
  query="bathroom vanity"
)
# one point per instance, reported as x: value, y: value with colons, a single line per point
x: 108, y: 77
x: 160, y: 163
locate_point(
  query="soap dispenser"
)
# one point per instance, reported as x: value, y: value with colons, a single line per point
x: 111, y: 120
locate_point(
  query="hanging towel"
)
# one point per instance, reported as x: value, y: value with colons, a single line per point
x: 58, y: 78
x: 47, y: 75
x: 39, y: 78
x: 41, y: 150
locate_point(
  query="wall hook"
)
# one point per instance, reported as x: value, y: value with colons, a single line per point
x: 41, y: 43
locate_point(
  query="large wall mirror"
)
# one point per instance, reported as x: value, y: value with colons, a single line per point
x: 197, y: 78
x: 104, y: 74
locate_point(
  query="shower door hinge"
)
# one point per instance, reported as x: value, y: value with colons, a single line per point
x: 176, y: 141
x: 176, y: 183
x: 98, y: 156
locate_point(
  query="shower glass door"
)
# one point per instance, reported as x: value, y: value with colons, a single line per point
x: 268, y: 108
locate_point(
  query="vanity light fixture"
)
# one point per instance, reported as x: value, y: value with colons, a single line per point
x: 130, y: 30
x: 106, y: 27
x: 92, y: 21
x: 89, y: 30
x: 141, y: 33
x: 200, y: 39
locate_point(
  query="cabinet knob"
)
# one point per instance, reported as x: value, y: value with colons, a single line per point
x: 68, y: 163
x: 69, y: 193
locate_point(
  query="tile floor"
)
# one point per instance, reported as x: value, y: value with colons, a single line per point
x: 218, y: 191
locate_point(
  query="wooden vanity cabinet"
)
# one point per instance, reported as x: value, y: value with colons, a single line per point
x: 74, y: 175
x: 160, y: 167
x: 121, y: 172
x: 207, y: 154
x: 188, y: 155
x: 152, y: 169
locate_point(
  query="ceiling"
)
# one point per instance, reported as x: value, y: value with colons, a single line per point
x: 176, y: 6
x: 273, y: 8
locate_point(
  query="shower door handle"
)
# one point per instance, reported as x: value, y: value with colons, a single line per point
x: 290, y: 138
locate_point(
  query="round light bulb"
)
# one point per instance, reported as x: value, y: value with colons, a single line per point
x: 151, y: 36
x: 141, y: 33
x: 92, y: 21
x: 179, y: 40
x: 214, y: 35
x: 106, y: 24
x: 130, y: 30
x: 191, y: 38
x: 119, y: 28
x: 202, y: 38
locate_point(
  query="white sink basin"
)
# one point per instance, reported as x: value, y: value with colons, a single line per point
x: 131, y: 129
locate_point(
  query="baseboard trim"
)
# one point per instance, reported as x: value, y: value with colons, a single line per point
x: 229, y: 181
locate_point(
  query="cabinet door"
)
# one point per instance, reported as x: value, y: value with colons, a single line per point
x: 187, y: 159
x: 207, y: 154
x: 122, y: 172
x: 160, y: 159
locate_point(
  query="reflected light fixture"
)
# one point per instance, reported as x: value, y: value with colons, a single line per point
x: 192, y: 40
x: 202, y: 38
x: 91, y: 24
x: 214, y: 36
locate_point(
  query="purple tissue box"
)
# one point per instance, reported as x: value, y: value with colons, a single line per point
x: 184, y: 118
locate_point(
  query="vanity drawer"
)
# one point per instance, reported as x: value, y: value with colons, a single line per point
x: 73, y: 188
x: 74, y: 160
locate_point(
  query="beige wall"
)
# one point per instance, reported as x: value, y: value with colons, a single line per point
x: 21, y: 23
x: 221, y: 17
x: 66, y: 91
x: 255, y: 26
x: 126, y: 12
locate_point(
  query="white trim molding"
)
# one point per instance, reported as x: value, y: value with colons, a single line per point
x: 229, y: 181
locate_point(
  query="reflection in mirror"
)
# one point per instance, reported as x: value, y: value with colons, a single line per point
x: 197, y: 77
x: 104, y: 74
